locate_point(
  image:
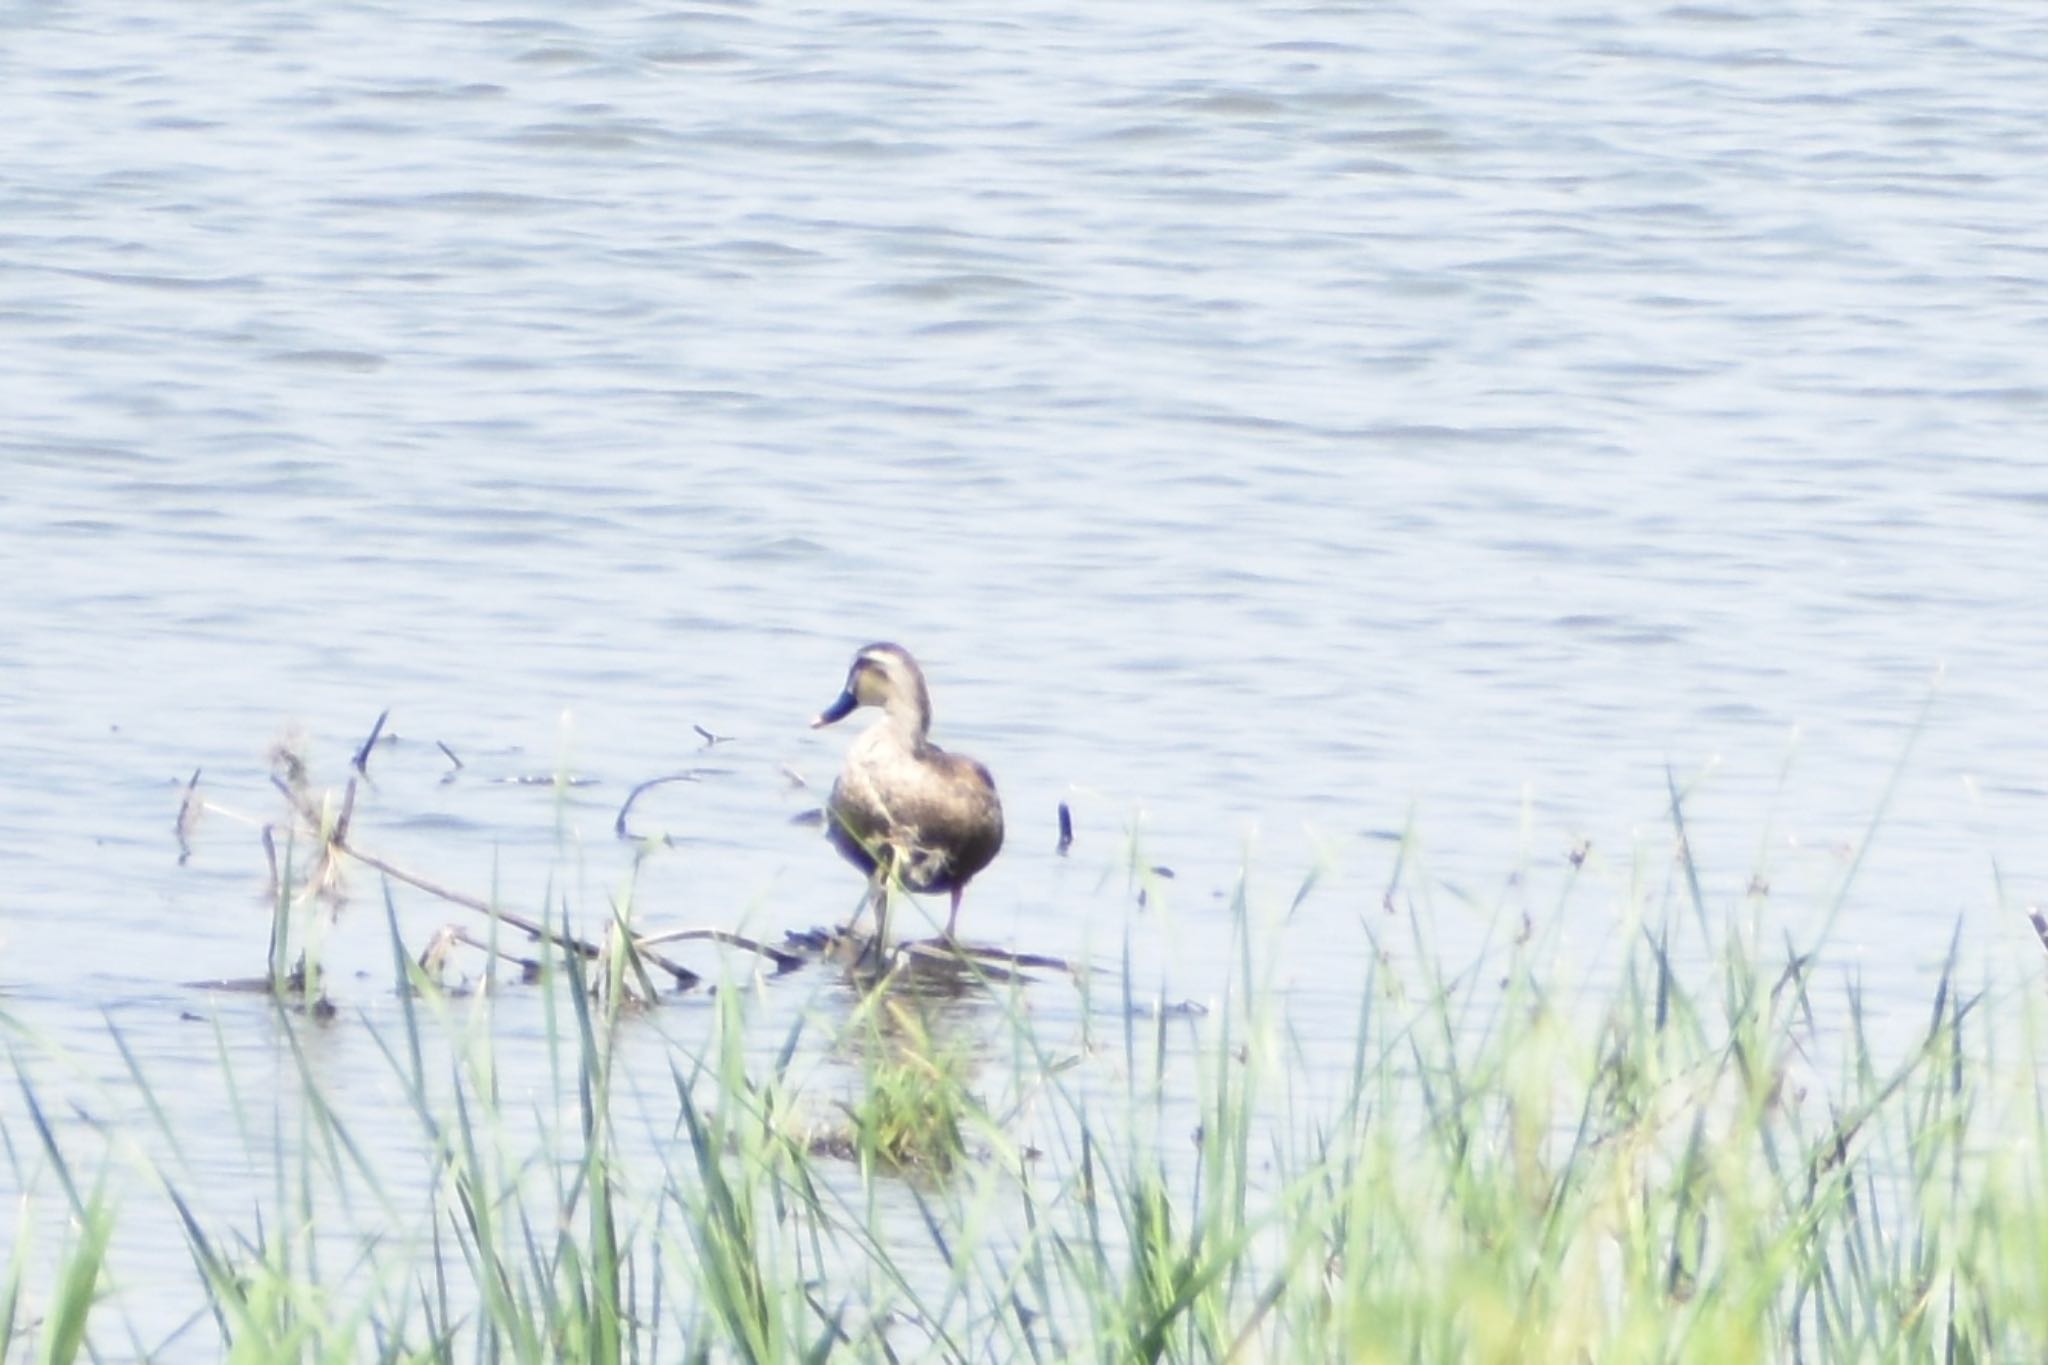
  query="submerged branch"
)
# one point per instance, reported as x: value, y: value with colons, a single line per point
x: 784, y: 961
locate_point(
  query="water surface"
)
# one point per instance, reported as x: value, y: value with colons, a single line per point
x: 1274, y: 427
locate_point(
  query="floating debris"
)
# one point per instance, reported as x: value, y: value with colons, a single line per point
x: 1066, y: 830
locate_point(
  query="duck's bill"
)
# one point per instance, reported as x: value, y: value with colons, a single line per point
x: 838, y: 710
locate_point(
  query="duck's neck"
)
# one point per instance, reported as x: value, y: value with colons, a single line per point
x: 910, y: 714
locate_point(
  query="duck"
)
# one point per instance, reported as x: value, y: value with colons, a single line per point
x: 902, y: 808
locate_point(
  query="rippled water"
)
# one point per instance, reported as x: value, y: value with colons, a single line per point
x: 1269, y: 424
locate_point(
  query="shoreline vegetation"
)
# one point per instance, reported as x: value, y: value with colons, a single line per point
x: 1707, y: 1153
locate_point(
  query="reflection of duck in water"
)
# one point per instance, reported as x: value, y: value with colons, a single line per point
x: 902, y: 805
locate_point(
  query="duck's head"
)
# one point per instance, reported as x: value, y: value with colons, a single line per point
x: 884, y: 675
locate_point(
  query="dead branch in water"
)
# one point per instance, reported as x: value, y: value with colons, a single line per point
x: 998, y: 964
x: 270, y: 853
x: 933, y: 964
x: 435, y: 956
x: 784, y: 962
x: 684, y: 977
x: 533, y: 928
x: 530, y: 927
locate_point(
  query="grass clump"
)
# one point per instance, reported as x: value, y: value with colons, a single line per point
x: 912, y: 1106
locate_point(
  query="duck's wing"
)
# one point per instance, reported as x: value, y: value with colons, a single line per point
x: 962, y: 813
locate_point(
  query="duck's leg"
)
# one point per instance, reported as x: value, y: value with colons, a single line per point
x: 860, y: 911
x: 954, y: 914
x: 881, y: 867
x: 885, y: 880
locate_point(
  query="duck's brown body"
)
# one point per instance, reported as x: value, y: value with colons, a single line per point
x: 902, y: 806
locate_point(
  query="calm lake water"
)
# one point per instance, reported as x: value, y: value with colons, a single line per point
x: 1272, y: 426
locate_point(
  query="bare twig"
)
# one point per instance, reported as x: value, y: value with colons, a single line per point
x: 939, y: 952
x: 452, y: 935
x: 435, y: 954
x: 295, y: 797
x: 839, y: 942
x: 692, y: 775
x: 710, y: 739
x: 270, y: 852
x: 529, y: 967
x: 985, y: 953
x: 684, y: 977
x: 348, y: 811
x: 530, y: 927
x: 189, y: 811
x: 288, y: 773
x: 361, y: 761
